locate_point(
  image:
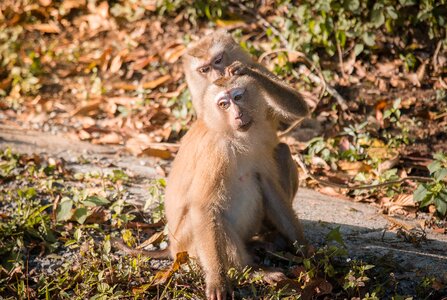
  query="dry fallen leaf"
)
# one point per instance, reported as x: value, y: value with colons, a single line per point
x: 154, y: 83
x: 163, y: 276
x: 124, y: 86
x: 330, y: 191
x: 229, y: 23
x: 161, y: 153
x: 143, y: 62
x: 84, y: 135
x: 173, y: 53
x: 387, y: 69
x: 400, y: 204
x: 156, y: 238
x: 68, y: 5
x: 45, y: 2
x: 115, y: 65
x: 353, y: 167
x: 87, y: 109
x: 46, y: 28
x: 110, y: 138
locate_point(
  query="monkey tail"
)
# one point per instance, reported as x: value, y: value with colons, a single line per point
x: 156, y: 254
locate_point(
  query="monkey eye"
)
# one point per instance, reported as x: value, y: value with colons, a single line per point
x: 218, y: 60
x: 204, y: 70
x: 237, y: 93
x: 237, y: 97
x: 223, y: 104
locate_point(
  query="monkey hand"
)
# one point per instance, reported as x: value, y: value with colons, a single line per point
x: 237, y: 68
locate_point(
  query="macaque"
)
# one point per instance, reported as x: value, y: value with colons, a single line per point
x: 207, y: 59
x: 225, y: 182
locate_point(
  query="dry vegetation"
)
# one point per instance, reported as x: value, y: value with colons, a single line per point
x: 109, y: 72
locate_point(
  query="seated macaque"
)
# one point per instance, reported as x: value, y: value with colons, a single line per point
x: 225, y: 181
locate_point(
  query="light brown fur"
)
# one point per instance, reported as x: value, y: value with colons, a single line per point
x: 285, y: 103
x: 224, y: 182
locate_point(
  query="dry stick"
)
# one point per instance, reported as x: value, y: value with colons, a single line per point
x: 156, y: 254
x: 340, y: 58
x: 297, y: 157
x: 435, y: 56
x: 442, y: 115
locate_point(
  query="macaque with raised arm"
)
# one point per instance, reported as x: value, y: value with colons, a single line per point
x: 207, y: 59
x: 224, y: 182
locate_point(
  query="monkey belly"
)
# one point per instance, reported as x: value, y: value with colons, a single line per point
x: 245, y: 211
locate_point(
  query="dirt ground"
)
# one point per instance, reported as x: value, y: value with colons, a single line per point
x: 409, y: 255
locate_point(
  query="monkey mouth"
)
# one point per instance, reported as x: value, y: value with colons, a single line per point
x: 245, y: 126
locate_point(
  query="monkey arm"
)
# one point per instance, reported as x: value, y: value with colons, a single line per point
x: 288, y: 173
x: 206, y: 238
x: 280, y: 211
x: 284, y: 99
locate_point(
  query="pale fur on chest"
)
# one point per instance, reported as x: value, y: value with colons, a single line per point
x: 245, y: 201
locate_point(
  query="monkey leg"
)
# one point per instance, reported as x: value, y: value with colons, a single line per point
x: 217, y: 246
x: 288, y: 179
x: 279, y: 211
x: 287, y: 171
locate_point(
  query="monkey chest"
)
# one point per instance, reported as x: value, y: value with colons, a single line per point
x: 245, y: 211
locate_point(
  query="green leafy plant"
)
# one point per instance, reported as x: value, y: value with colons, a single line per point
x: 357, y: 277
x: 436, y: 192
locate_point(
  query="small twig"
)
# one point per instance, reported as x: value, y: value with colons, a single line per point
x: 435, y: 56
x: 340, y: 58
x: 303, y: 166
x: 290, y: 128
x: 442, y: 115
x: 156, y: 254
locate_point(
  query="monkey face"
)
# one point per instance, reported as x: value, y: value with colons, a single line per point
x: 233, y: 105
x: 214, y: 67
x: 205, y: 61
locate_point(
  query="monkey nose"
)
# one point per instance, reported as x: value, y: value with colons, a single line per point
x: 239, y: 115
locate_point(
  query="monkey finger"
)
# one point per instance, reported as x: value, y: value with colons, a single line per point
x: 236, y: 68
